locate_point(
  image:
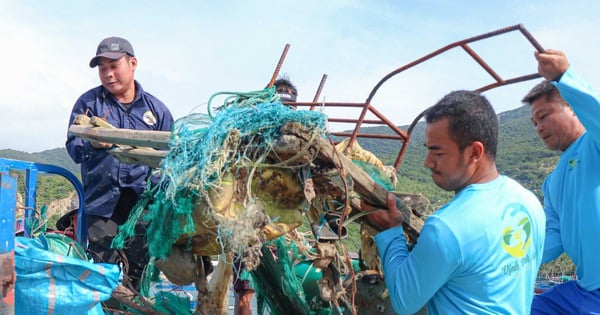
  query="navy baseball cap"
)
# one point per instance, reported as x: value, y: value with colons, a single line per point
x: 112, y: 48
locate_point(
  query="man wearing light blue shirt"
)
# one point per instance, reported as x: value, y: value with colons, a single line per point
x: 480, y: 253
x: 566, y: 113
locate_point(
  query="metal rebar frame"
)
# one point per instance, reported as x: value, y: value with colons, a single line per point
x: 397, y: 133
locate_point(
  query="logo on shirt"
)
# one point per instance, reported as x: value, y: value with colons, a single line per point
x: 149, y: 118
x: 516, y: 235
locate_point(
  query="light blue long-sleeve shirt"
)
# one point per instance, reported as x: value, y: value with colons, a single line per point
x: 572, y: 190
x: 479, y: 254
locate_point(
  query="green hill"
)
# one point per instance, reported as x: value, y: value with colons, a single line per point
x: 57, y: 156
x: 52, y: 191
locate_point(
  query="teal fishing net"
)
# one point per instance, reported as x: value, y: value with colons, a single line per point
x: 238, y: 134
x: 276, y: 285
x: 376, y: 174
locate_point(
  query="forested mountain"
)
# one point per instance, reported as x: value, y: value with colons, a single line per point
x: 53, y: 191
x: 58, y: 157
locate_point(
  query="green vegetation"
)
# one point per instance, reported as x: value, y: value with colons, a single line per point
x: 50, y: 188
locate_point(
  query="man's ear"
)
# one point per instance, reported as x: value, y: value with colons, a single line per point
x: 477, y: 150
x: 133, y: 61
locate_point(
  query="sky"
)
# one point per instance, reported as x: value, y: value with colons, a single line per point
x: 189, y: 50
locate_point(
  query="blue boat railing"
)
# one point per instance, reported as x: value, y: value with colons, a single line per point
x: 8, y: 193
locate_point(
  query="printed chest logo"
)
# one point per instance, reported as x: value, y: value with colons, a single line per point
x: 572, y: 163
x: 516, y: 235
x: 149, y: 118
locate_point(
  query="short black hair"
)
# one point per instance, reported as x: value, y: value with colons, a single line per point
x: 283, y: 84
x: 472, y: 118
x: 543, y: 89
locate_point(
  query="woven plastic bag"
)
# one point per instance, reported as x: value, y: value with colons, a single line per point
x: 51, y: 283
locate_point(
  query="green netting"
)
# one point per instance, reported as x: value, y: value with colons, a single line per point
x: 276, y: 285
x: 162, y: 301
x: 376, y: 174
x: 202, y: 148
x: 37, y: 224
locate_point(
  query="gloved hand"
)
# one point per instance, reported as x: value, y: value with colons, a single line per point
x: 383, y: 219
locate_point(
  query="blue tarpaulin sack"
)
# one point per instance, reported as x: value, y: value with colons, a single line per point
x: 51, y: 283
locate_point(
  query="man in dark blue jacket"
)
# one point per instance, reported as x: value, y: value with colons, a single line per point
x: 112, y: 187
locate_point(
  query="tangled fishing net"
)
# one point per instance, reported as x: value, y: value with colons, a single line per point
x: 207, y: 155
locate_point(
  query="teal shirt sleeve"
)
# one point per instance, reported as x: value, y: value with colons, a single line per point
x: 553, y: 242
x: 584, y: 100
x: 414, y: 277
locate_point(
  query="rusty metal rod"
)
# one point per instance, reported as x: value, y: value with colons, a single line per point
x: 353, y: 120
x: 509, y: 81
x: 367, y: 135
x: 330, y: 104
x: 482, y: 63
x: 319, y: 89
x: 388, y: 122
x: 404, y: 136
x: 531, y: 39
x: 279, y: 64
x: 519, y: 27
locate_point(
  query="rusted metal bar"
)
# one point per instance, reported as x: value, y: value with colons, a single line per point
x: 407, y: 142
x: 353, y: 121
x: 363, y: 113
x: 367, y: 135
x: 329, y: 104
x: 531, y: 39
x: 482, y: 63
x: 509, y: 81
x: 404, y: 136
x: 440, y: 51
x: 390, y: 124
x: 475, y: 56
x: 319, y: 89
x: 279, y: 64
